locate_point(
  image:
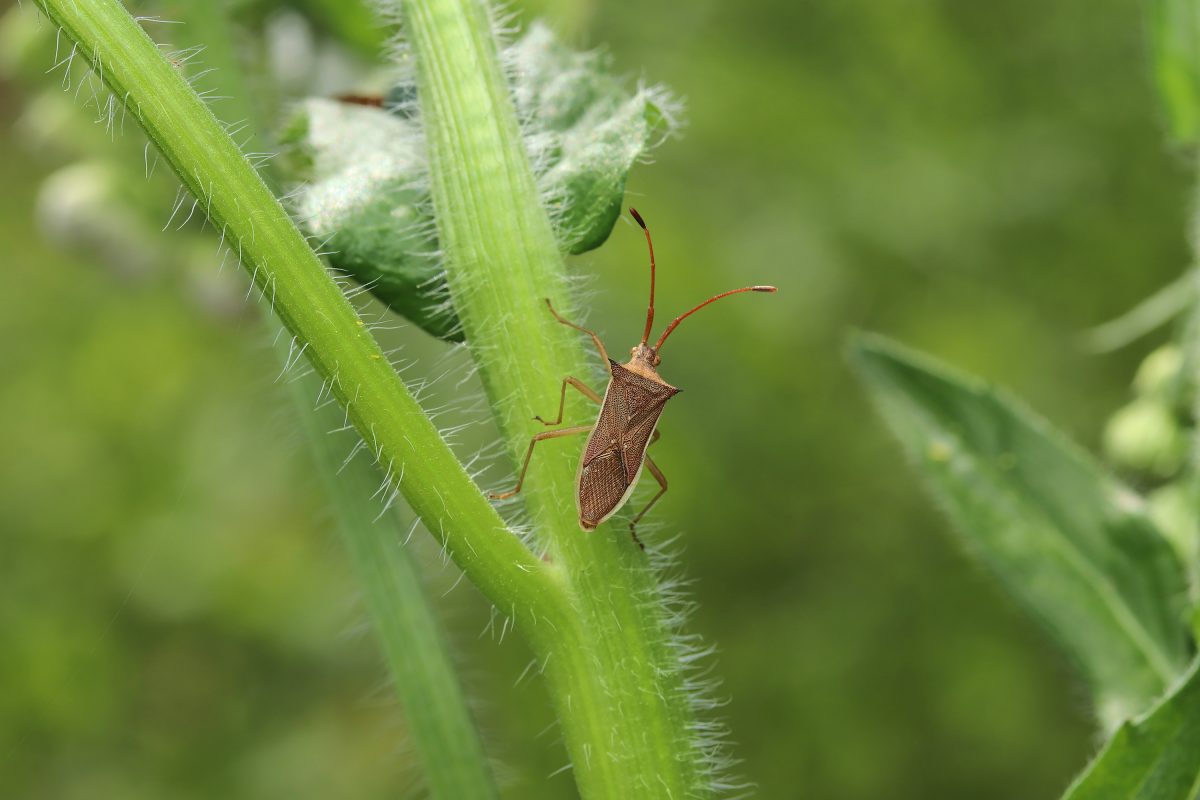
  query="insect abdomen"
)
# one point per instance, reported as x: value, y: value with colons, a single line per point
x: 613, y: 456
x: 603, y: 487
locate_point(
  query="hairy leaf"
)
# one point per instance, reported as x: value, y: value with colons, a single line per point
x: 1069, y: 542
x: 364, y: 196
x: 584, y: 132
x: 361, y: 203
x: 1155, y: 757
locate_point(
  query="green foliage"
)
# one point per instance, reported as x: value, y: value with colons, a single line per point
x: 360, y: 198
x: 591, y: 613
x: 584, y: 131
x: 1154, y: 757
x: 1029, y: 219
x: 616, y: 670
x: 1073, y: 545
x: 364, y: 185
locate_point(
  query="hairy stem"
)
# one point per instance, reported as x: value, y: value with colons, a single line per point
x: 423, y: 674
x: 593, y: 613
x: 613, y: 674
x: 324, y: 326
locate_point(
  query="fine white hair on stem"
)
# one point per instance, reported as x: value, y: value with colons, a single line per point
x: 668, y: 600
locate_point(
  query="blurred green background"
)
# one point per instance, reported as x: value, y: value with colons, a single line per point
x: 981, y: 180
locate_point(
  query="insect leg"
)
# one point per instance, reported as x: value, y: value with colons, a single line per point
x: 569, y: 324
x: 583, y: 388
x: 529, y: 453
x: 662, y: 484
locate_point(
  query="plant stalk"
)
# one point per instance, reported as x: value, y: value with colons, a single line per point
x: 423, y: 674
x: 593, y: 613
x: 325, y: 327
x: 614, y: 674
x: 424, y: 677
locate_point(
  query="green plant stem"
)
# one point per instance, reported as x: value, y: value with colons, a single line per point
x: 207, y: 29
x: 256, y: 227
x: 613, y: 673
x: 423, y: 674
x: 593, y: 614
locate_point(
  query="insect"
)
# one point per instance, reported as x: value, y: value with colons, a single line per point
x: 628, y: 422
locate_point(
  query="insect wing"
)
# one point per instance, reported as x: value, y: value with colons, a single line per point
x: 613, y: 456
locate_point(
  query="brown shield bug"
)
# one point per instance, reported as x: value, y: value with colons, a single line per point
x: 629, y: 411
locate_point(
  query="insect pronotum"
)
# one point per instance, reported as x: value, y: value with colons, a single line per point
x: 627, y: 425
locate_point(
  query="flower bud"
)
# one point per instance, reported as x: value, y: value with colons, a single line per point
x: 1159, y: 371
x: 1145, y: 436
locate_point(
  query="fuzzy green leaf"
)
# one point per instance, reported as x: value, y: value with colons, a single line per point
x: 361, y: 203
x: 1175, y: 42
x: 1072, y: 544
x: 584, y: 131
x: 1156, y: 757
x: 364, y: 194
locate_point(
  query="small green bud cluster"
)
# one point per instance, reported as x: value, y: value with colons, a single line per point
x: 1150, y: 439
x: 1149, y: 436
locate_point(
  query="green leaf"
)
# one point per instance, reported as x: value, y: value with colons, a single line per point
x: 1155, y: 757
x: 361, y: 202
x: 584, y: 132
x: 1175, y: 43
x: 364, y: 194
x: 1072, y: 544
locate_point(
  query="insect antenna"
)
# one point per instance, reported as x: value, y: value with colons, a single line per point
x: 714, y: 299
x: 650, y: 311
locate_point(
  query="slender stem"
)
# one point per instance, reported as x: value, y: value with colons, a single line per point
x: 594, y: 613
x: 423, y: 674
x: 324, y: 326
x: 613, y: 672
x: 417, y: 655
